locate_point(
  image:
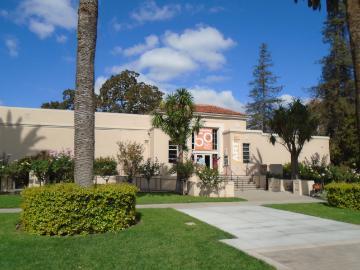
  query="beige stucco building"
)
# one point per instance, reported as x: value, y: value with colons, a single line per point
x: 224, y: 142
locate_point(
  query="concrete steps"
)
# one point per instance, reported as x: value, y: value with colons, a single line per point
x: 242, y: 182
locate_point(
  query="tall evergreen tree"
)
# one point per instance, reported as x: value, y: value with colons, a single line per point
x: 352, y: 8
x: 336, y: 91
x: 263, y: 93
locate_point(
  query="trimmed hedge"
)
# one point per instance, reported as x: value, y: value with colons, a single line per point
x: 343, y: 195
x: 68, y: 209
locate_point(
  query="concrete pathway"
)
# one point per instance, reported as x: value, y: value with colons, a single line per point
x: 9, y: 210
x: 264, y: 196
x: 284, y: 239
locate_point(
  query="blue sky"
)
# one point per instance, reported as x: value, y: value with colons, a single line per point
x: 209, y: 47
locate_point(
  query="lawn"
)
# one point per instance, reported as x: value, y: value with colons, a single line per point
x: 322, y: 210
x: 10, y: 201
x: 161, y: 240
x: 14, y: 201
x: 167, y: 197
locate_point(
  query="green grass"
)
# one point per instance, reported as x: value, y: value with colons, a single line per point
x: 14, y: 201
x: 161, y: 240
x: 10, y: 201
x: 167, y: 197
x: 322, y: 210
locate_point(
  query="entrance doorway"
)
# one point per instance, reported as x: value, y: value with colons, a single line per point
x: 208, y: 160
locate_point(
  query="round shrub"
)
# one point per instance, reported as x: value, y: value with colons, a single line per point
x: 68, y: 209
x: 343, y: 195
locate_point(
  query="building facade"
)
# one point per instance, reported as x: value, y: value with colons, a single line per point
x: 224, y: 141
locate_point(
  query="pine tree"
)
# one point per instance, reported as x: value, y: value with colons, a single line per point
x: 263, y: 93
x: 336, y: 91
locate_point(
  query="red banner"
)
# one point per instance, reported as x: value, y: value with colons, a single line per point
x: 204, y: 140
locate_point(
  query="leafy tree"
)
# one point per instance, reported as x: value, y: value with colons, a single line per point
x: 105, y: 167
x: 122, y: 93
x: 263, y: 93
x: 84, y: 116
x: 66, y: 104
x: 209, y: 178
x: 352, y: 8
x: 130, y: 157
x: 295, y: 125
x: 149, y: 169
x: 176, y: 118
x: 336, y: 92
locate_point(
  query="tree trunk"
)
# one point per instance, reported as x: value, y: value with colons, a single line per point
x: 353, y: 20
x: 180, y: 160
x: 84, y: 115
x: 294, y: 166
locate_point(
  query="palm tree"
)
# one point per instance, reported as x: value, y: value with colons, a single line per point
x: 84, y: 115
x: 176, y: 118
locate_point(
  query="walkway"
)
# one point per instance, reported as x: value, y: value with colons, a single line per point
x: 284, y: 239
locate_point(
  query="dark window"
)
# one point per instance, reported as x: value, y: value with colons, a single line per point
x: 246, y: 152
x: 193, y: 141
x: 215, y: 138
x: 172, y: 152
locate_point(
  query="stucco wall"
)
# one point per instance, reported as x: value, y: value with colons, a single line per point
x: 263, y: 152
x: 25, y: 131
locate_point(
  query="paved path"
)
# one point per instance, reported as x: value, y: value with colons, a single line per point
x: 9, y: 210
x: 273, y: 197
x: 285, y: 239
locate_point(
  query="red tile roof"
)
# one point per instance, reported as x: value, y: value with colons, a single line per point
x: 205, y: 108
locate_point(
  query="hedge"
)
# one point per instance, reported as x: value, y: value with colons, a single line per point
x: 68, y: 209
x: 343, y: 195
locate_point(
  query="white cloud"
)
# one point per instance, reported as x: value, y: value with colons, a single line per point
x: 214, y: 79
x: 116, y: 50
x: 150, y: 42
x: 286, y: 99
x: 98, y: 83
x: 12, y: 47
x: 224, y: 98
x: 179, y: 54
x: 4, y: 13
x: 216, y: 9
x: 69, y: 59
x: 203, y: 44
x: 43, y: 16
x: 43, y: 30
x: 61, y: 38
x: 150, y: 11
x: 163, y: 64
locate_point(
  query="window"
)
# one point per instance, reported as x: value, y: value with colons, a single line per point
x: 246, y: 153
x: 172, y: 152
x: 215, y: 139
x: 193, y: 141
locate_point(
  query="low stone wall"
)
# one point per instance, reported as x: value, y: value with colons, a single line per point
x: 6, y: 184
x: 299, y: 187
x: 260, y: 181
x: 225, y: 190
x: 303, y: 187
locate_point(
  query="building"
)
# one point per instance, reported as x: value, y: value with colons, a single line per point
x: 223, y: 142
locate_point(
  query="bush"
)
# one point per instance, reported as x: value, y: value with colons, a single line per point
x: 130, y: 157
x: 68, y: 209
x: 105, y: 167
x: 19, y: 171
x: 184, y: 169
x: 209, y: 178
x: 343, y: 195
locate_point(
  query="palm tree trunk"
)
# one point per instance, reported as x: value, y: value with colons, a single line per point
x: 353, y: 19
x: 84, y: 115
